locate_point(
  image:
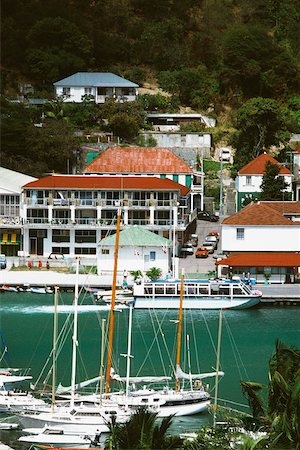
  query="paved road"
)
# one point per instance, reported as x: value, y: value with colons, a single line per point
x: 190, y: 264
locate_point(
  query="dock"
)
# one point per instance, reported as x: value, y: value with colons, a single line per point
x: 273, y: 294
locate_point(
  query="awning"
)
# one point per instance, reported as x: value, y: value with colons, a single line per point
x: 260, y: 259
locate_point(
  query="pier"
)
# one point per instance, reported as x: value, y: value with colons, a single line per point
x: 273, y: 294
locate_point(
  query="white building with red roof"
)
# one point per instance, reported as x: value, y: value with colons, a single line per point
x: 255, y: 237
x: 71, y: 214
x: 148, y: 162
x: 250, y: 177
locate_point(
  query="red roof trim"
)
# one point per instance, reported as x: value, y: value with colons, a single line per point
x: 104, y: 183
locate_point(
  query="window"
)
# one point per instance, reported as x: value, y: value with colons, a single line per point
x: 66, y: 91
x: 240, y: 234
x: 60, y: 235
x: 104, y: 251
x: 85, y: 251
x: 88, y: 91
x: 84, y: 236
x: 152, y: 256
x: 248, y: 179
x: 62, y: 250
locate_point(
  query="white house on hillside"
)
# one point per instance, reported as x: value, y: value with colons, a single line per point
x: 249, y: 179
x: 102, y: 86
x: 263, y: 237
x: 139, y: 249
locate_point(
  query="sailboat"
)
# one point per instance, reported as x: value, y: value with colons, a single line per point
x: 12, y: 398
x: 167, y: 401
x: 81, y: 418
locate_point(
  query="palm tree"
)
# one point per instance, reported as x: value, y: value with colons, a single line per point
x: 153, y: 273
x: 281, y: 413
x: 142, y: 432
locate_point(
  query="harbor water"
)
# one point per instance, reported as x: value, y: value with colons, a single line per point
x: 247, y: 342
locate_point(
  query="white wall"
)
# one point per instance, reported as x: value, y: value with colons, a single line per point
x: 127, y: 259
x: 264, y: 239
x: 256, y: 181
x: 189, y: 140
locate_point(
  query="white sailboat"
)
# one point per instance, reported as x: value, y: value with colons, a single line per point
x: 91, y: 418
x: 167, y: 401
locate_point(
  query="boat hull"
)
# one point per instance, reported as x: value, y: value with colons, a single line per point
x: 143, y: 302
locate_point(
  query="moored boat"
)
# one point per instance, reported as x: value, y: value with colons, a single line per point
x: 57, y: 437
x: 198, y: 294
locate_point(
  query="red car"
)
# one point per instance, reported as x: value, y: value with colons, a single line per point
x: 214, y: 233
x: 201, y: 252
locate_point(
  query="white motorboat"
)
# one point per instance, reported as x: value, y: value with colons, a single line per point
x: 14, y: 399
x: 198, y: 294
x: 41, y: 290
x: 57, y: 437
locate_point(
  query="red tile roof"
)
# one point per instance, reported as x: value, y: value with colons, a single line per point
x: 285, y: 208
x: 138, y: 160
x: 258, y: 214
x: 260, y: 259
x: 257, y: 166
x: 98, y: 182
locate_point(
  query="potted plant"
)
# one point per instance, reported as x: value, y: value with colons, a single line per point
x: 136, y: 275
x: 267, y: 276
x: 154, y: 273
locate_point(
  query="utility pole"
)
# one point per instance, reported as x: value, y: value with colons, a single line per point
x: 221, y: 185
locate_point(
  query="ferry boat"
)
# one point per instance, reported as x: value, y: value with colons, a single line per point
x: 198, y: 294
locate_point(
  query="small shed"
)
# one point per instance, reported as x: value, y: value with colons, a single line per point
x: 139, y: 249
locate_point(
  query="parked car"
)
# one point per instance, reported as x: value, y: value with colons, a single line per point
x: 186, y: 249
x: 214, y: 233
x: 201, y: 252
x: 211, y: 246
x: 56, y: 256
x: 3, y: 262
x: 209, y: 217
x: 210, y: 238
x: 194, y: 239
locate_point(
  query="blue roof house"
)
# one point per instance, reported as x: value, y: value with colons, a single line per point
x: 102, y: 86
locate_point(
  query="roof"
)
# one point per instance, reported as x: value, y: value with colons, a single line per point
x: 136, y: 236
x: 285, y: 208
x: 209, y: 121
x: 260, y: 213
x: 114, y: 183
x: 258, y: 166
x: 138, y: 160
x: 260, y: 259
x: 99, y: 79
x: 11, y: 182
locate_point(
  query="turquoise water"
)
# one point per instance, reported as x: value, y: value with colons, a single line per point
x: 248, y: 340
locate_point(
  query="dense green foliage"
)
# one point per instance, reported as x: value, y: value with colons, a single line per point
x: 232, y: 59
x: 142, y: 432
x: 218, y: 48
x: 280, y: 415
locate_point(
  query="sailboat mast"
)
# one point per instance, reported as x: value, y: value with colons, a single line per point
x: 74, y: 338
x: 54, y: 346
x: 112, y: 308
x: 179, y: 328
x: 217, y: 368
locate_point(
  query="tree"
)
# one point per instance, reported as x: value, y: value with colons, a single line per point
x: 273, y: 185
x: 259, y: 123
x: 51, y: 147
x: 57, y: 48
x: 280, y: 415
x: 142, y: 432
